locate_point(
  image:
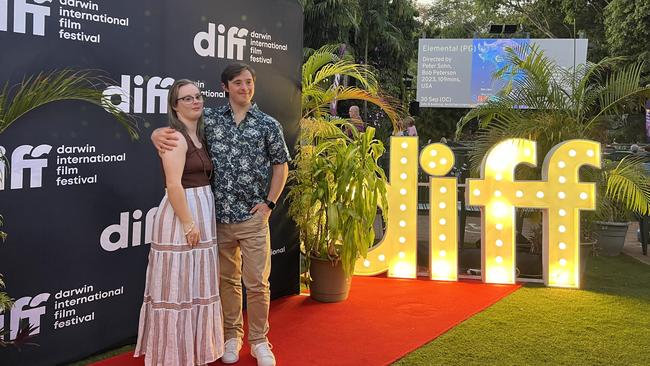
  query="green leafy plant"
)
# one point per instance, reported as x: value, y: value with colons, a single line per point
x: 548, y: 104
x: 623, y: 188
x: 34, y: 92
x: 337, y: 184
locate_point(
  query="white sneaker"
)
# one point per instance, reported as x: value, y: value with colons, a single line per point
x: 231, y: 350
x: 262, y: 352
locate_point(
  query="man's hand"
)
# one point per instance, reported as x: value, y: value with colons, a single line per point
x: 164, y: 139
x: 261, y: 209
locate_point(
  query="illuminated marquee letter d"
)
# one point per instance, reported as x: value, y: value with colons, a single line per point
x: 397, y: 250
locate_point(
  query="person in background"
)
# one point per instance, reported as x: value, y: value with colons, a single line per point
x: 400, y: 129
x: 250, y: 169
x: 355, y: 120
x: 180, y: 318
x: 410, y: 126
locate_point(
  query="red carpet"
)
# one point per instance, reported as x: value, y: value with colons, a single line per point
x: 381, y: 321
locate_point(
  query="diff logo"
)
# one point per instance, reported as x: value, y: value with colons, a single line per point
x: 24, y: 157
x: 230, y: 46
x: 25, y: 310
x: 139, y: 98
x: 128, y: 233
x: 21, y: 10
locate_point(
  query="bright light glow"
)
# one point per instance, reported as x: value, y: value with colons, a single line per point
x: 443, y: 161
x: 562, y: 245
x: 403, y: 270
x: 403, y: 160
x: 498, y: 259
x: 499, y: 209
x: 402, y: 239
x: 499, y: 243
x: 590, y: 153
x: 366, y: 263
x: 561, y: 195
x: 539, y: 194
x: 442, y: 237
x: 562, y: 212
x: 572, y: 153
x: 402, y: 191
x: 442, y: 221
x: 443, y: 253
x: 405, y: 145
x: 381, y: 257
x: 583, y: 195
x: 402, y: 223
x: 403, y: 176
x: 402, y: 255
x: 497, y: 193
x: 477, y: 192
x: 402, y: 207
x: 442, y: 205
x: 519, y: 194
x: 527, y: 152
x: 440, y: 270
x: 562, y: 179
x: 499, y: 226
x: 434, y: 152
x: 561, y: 228
x: 432, y: 164
x: 563, y: 278
x: 563, y: 262
x: 497, y: 275
x: 498, y: 177
x: 443, y: 190
x: 561, y: 164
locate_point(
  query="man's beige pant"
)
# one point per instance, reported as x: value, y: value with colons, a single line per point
x: 248, y: 242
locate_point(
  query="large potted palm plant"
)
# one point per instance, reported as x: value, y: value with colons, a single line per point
x: 34, y: 92
x: 623, y: 188
x: 337, y: 184
x: 549, y: 104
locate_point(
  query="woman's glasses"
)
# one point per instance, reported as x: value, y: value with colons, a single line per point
x: 190, y: 99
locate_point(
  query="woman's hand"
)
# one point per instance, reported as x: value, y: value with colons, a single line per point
x: 192, y: 234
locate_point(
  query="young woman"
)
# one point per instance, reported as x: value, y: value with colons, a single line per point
x: 180, y: 319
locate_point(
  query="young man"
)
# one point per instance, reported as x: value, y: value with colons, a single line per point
x: 245, y: 144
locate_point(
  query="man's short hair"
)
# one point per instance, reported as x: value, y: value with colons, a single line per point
x: 232, y: 70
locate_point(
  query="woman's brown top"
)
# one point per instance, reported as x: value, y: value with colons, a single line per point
x: 198, y: 166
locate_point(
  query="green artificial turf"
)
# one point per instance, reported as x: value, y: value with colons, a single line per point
x: 607, y: 323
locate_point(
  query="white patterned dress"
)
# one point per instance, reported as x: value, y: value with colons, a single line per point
x: 181, y: 318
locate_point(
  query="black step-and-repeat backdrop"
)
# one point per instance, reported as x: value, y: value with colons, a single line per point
x: 78, y: 196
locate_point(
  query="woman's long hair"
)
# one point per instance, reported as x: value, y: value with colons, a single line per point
x: 172, y: 116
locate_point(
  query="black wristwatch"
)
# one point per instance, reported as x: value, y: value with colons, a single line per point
x: 270, y: 203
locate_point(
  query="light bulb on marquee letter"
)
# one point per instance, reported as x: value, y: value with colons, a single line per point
x: 437, y: 160
x: 396, y: 252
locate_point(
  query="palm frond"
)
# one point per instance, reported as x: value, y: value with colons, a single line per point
x: 47, y: 87
x: 628, y: 185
